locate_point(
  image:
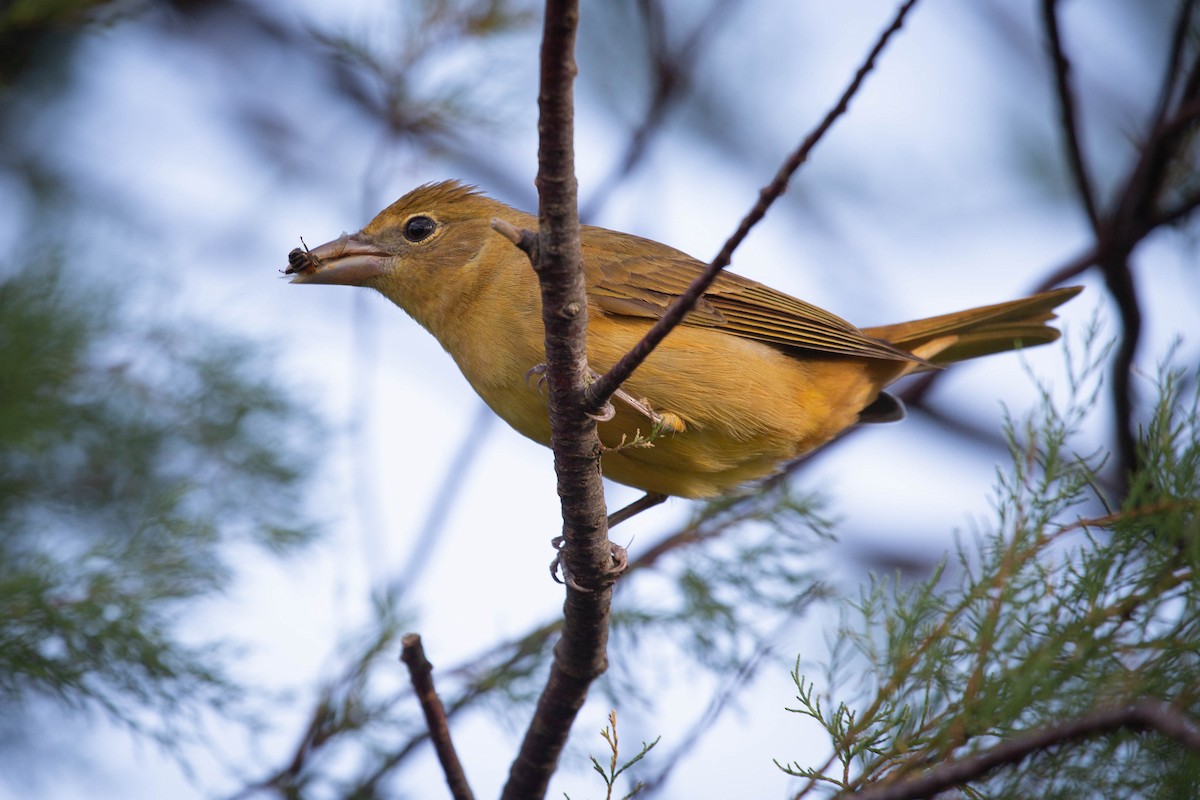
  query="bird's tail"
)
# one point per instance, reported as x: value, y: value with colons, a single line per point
x: 979, y: 331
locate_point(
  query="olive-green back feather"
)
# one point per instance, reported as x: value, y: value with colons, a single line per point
x: 645, y: 285
x: 631, y: 276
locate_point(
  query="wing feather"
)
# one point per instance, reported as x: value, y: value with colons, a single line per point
x: 645, y: 285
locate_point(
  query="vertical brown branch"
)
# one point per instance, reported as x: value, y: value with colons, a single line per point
x: 580, y: 656
x: 559, y: 265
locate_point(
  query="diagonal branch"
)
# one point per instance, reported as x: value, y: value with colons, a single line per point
x: 1151, y: 715
x: 1071, y: 269
x: 421, y: 673
x: 600, y: 391
x: 1178, y: 212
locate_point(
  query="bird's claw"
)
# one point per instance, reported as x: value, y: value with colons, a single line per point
x: 620, y: 562
x: 540, y: 371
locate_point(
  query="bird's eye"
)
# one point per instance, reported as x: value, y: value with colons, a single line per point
x: 419, y: 228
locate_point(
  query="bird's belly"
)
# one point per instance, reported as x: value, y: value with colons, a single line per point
x: 716, y: 453
x: 746, y: 408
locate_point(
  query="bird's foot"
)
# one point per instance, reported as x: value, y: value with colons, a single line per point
x: 540, y: 371
x: 661, y: 422
x: 665, y: 422
x: 618, y: 554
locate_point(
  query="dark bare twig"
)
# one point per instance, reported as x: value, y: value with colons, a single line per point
x: 480, y: 683
x: 601, y: 390
x: 1120, y: 283
x: 1137, y: 207
x: 1143, y: 715
x: 420, y: 671
x: 1071, y: 269
x: 1112, y: 252
x: 1069, y: 115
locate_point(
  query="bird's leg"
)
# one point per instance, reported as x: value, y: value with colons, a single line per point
x: 663, y: 423
x: 666, y: 422
x: 619, y: 555
x: 648, y: 500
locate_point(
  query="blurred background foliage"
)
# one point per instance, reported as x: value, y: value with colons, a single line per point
x: 131, y: 458
x: 158, y: 159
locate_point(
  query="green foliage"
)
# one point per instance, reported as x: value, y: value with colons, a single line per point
x: 719, y: 591
x: 610, y: 772
x: 131, y: 457
x: 1065, y: 607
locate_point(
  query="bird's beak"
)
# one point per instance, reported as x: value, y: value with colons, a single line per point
x: 345, y: 261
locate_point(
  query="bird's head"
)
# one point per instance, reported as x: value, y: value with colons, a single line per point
x: 423, y: 249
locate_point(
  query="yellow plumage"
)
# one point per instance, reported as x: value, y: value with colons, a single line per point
x: 751, y: 380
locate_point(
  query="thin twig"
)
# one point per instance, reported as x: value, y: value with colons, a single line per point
x: 420, y: 671
x: 1069, y: 116
x: 1141, y: 715
x: 480, y: 682
x: 601, y: 390
x: 1119, y: 231
x: 1118, y: 277
x: 1135, y: 213
x: 1071, y: 269
x: 1178, y: 212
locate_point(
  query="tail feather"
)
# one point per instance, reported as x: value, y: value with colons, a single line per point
x: 979, y: 331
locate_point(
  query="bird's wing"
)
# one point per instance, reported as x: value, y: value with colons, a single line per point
x: 624, y: 284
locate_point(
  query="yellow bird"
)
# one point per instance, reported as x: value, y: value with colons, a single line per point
x: 751, y: 380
